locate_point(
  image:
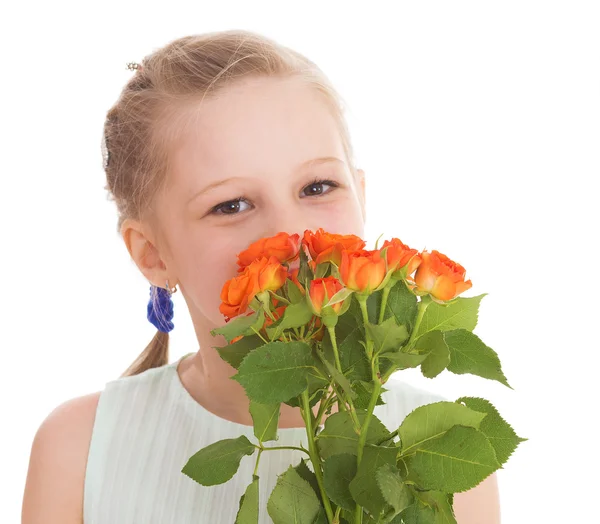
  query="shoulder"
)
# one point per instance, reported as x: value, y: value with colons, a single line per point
x: 55, y: 479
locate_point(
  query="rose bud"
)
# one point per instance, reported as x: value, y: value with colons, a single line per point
x: 363, y: 270
x: 441, y: 277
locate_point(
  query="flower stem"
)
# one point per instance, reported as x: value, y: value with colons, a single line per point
x: 362, y: 300
x: 314, y: 454
x: 389, y: 437
x: 338, y: 364
x: 384, y: 297
x: 284, y: 447
x: 281, y: 299
x: 425, y: 301
x: 362, y: 439
x: 261, y: 337
x: 260, y: 450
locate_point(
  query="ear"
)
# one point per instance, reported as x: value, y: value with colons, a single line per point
x: 362, y: 192
x: 144, y: 253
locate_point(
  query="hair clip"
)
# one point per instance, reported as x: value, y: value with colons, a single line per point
x: 134, y: 66
x: 105, y: 150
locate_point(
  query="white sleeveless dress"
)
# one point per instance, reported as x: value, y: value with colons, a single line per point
x: 147, y: 427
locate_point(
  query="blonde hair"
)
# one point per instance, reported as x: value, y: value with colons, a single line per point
x: 147, y: 118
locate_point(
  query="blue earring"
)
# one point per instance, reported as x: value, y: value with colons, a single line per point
x: 160, y: 307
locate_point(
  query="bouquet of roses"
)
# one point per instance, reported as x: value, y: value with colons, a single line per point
x: 332, y: 331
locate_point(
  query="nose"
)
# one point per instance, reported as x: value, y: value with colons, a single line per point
x: 288, y: 219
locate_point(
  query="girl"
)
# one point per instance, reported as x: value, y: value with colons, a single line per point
x: 216, y: 141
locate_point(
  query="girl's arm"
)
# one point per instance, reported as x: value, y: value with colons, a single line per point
x: 55, y: 479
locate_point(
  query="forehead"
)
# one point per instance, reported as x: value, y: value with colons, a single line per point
x: 255, y: 127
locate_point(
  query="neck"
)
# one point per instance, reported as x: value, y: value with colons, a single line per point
x: 207, y: 377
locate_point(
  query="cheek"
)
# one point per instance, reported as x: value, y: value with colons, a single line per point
x: 344, y: 218
x: 204, y: 273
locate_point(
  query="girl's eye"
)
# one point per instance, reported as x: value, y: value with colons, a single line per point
x: 316, y: 183
x: 232, y: 207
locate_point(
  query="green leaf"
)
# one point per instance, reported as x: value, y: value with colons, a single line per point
x: 431, y: 421
x: 340, y: 296
x: 293, y: 500
x: 315, y: 383
x: 457, y: 461
x: 461, y: 313
x: 265, y: 418
x: 322, y: 270
x: 401, y: 305
x: 373, y: 305
x: 321, y: 517
x: 353, y: 358
x: 293, y: 292
x: 439, y: 356
x: 441, y: 504
x: 416, y: 513
x: 403, y: 360
x: 349, y: 321
x: 339, y: 378
x: 242, y: 325
x: 338, y: 435
x: 355, y: 365
x: 338, y: 471
x: 276, y: 371
x: 295, y: 315
x: 235, y: 353
x: 364, y: 488
x: 363, y: 391
x: 499, y: 432
x: 218, y: 462
x: 394, y: 491
x: 387, y: 336
x: 304, y: 471
x: 248, y: 511
x: 429, y: 507
x: 468, y: 354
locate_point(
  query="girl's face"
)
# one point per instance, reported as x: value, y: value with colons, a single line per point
x: 264, y: 156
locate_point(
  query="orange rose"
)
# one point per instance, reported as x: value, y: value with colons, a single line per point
x: 399, y: 255
x: 321, y: 291
x: 282, y: 246
x: 328, y: 247
x: 265, y: 274
x: 440, y: 277
x: 362, y: 270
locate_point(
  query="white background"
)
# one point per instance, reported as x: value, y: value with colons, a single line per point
x: 478, y: 126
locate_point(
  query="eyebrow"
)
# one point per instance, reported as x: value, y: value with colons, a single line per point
x: 303, y: 165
